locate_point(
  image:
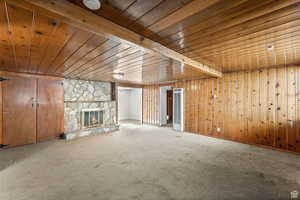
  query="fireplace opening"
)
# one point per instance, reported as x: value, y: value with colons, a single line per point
x: 92, y: 118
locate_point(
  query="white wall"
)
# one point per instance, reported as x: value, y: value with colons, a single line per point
x: 135, y: 105
x: 123, y: 104
x: 130, y: 103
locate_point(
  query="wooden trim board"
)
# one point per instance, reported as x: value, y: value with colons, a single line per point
x: 3, y: 73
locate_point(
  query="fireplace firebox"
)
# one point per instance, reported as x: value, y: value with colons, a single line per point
x: 91, y: 118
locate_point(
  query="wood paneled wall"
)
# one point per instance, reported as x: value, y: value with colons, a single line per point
x: 151, y: 104
x: 1, y: 115
x: 260, y: 107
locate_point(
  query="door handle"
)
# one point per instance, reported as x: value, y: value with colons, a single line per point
x: 36, y: 103
x: 33, y: 101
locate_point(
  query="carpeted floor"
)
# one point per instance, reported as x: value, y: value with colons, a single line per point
x: 145, y: 162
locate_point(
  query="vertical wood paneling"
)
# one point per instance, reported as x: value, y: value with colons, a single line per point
x: 271, y: 102
x: 209, y: 112
x: 214, y: 107
x: 202, y: 107
x: 232, y: 108
x: 255, y: 108
x: 298, y: 110
x: 205, y: 108
x: 259, y: 107
x: 281, y: 141
x: 291, y: 108
x: 226, y: 106
x: 157, y: 107
x: 148, y: 105
x: 220, y: 104
x: 151, y: 104
x: 193, y: 112
x: 245, y: 100
x: 188, y: 99
x: 263, y: 100
x: 249, y: 108
x: 145, y: 105
x: 1, y: 115
x: 151, y: 98
x: 196, y: 104
x: 240, y: 104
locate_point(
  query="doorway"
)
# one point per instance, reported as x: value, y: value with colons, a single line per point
x: 166, y: 106
x: 178, y: 102
x: 130, y: 105
x: 169, y: 108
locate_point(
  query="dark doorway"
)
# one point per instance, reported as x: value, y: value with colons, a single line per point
x: 169, y: 106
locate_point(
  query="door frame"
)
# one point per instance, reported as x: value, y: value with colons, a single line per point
x: 178, y: 127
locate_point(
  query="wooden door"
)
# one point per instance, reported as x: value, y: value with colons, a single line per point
x: 170, y: 105
x: 19, y: 111
x: 50, y: 109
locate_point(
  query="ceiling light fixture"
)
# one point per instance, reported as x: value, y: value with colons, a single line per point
x: 92, y: 4
x: 119, y: 75
x: 270, y: 48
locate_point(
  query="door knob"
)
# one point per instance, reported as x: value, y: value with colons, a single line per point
x: 33, y: 101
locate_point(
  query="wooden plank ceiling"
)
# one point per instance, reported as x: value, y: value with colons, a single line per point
x: 232, y: 34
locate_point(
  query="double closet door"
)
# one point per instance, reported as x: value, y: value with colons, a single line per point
x: 33, y: 110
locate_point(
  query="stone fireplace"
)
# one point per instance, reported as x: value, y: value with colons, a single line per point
x: 89, y: 108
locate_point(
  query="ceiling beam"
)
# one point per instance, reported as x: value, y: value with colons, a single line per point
x: 182, y: 13
x: 84, y: 19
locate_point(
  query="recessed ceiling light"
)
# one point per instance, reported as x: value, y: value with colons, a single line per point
x: 270, y: 48
x: 92, y: 4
